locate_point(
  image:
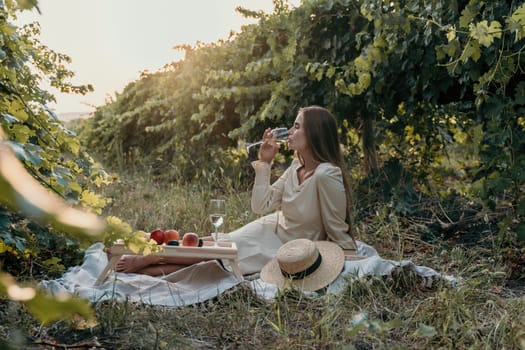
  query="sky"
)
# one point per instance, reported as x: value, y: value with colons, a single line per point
x: 111, y: 41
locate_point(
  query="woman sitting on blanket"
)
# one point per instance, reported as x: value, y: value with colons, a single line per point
x: 310, y: 200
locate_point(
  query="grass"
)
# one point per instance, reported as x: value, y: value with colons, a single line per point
x: 400, y: 311
x: 147, y: 204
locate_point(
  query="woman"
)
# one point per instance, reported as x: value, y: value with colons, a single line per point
x: 310, y: 200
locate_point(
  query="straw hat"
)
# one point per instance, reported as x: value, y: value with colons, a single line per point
x: 305, y: 265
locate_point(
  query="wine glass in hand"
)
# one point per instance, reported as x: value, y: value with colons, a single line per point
x: 279, y: 134
x: 269, y: 148
x: 217, y: 212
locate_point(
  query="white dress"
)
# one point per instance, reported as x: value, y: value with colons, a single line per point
x: 315, y: 209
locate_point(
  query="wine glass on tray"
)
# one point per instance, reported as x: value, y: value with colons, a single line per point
x: 217, y: 212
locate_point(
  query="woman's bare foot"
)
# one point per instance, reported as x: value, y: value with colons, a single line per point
x: 135, y: 263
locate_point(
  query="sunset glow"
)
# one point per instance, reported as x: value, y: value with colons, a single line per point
x: 111, y: 42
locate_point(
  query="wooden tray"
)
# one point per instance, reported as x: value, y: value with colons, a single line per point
x: 209, y: 250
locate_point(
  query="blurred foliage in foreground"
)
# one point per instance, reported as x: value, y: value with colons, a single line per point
x: 48, y: 204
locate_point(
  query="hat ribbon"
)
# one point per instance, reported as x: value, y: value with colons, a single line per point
x: 307, y: 271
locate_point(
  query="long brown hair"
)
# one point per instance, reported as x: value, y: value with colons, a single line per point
x: 320, y: 128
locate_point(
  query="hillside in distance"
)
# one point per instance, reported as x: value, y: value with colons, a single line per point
x: 69, y: 116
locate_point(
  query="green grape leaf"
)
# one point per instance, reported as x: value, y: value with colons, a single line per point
x: 516, y: 23
x: 467, y: 15
x: 21, y: 132
x: 452, y: 48
x: 485, y: 33
x: 16, y: 109
x: 92, y: 200
x: 472, y: 50
x: 519, y: 15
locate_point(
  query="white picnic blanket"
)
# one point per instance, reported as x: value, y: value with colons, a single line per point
x: 202, y: 281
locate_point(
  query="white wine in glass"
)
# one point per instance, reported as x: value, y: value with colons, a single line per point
x: 280, y: 135
x: 217, y: 211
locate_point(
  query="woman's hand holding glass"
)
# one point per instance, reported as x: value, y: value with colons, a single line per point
x: 269, y: 147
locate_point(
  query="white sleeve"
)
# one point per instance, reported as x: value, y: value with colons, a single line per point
x: 266, y: 197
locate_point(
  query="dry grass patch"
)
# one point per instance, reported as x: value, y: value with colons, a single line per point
x: 399, y: 311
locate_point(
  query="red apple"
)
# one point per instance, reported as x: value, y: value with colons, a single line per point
x: 157, y: 235
x: 171, y: 235
x: 190, y: 239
